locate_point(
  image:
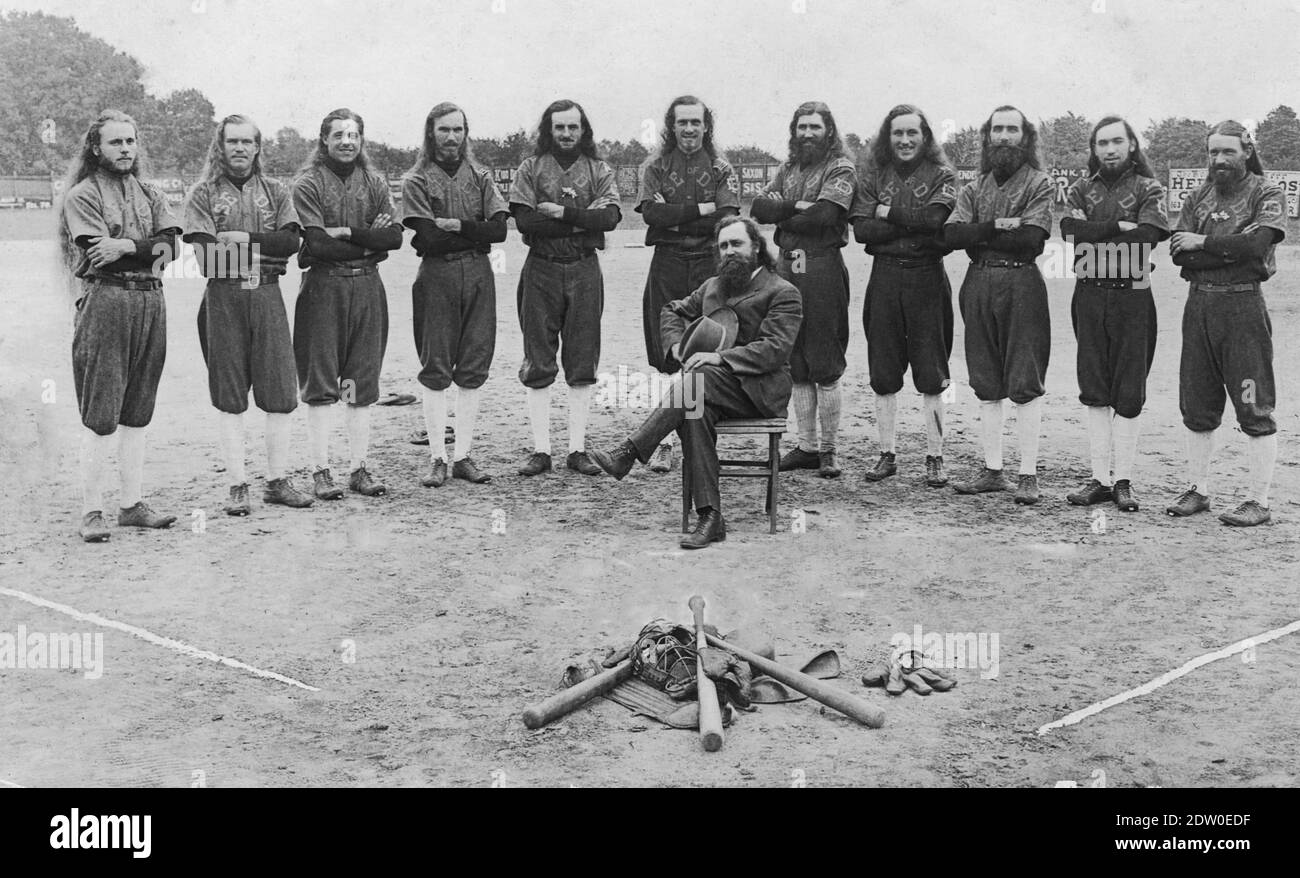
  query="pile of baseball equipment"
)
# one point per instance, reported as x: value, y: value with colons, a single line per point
x: 695, y: 678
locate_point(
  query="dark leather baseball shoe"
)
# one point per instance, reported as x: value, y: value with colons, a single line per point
x: 361, y: 483
x: 1248, y: 514
x: 437, y: 476
x: 578, y: 461
x: 324, y: 487
x: 988, y: 480
x: 1125, y: 499
x: 1092, y: 492
x: 885, y: 467
x: 538, y: 463
x: 935, y: 477
x: 618, y: 462
x: 238, y: 505
x: 140, y: 515
x: 1027, y: 490
x: 282, y: 492
x: 1190, y: 503
x: 827, y: 467
x: 93, y: 529
x: 800, y: 459
x: 709, y: 529
x: 465, y: 469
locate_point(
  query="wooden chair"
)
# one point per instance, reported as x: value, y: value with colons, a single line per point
x: 745, y: 469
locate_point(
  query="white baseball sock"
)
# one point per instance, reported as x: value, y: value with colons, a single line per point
x: 933, y: 407
x: 804, y: 397
x: 231, y: 427
x: 435, y: 423
x: 828, y: 414
x: 991, y: 415
x: 579, y: 406
x: 319, y: 420
x: 95, y: 451
x: 887, y: 421
x: 1125, y: 431
x: 467, y: 401
x: 130, y: 463
x: 357, y: 419
x: 277, y: 445
x: 1262, y: 451
x: 1099, y: 430
x: 1029, y: 424
x: 665, y: 382
x: 1200, y: 445
x: 539, y: 414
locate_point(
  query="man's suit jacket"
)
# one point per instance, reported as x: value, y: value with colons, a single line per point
x: 769, y: 313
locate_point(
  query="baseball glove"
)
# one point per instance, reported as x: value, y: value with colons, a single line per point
x: 907, y: 670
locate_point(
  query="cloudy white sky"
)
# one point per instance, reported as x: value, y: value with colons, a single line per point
x: 288, y: 63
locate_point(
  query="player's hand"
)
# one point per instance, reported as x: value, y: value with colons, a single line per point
x: 702, y: 358
x: 105, y: 251
x: 447, y: 225
x: 1126, y: 226
x: 1077, y: 213
x: 1188, y: 242
x: 659, y: 199
x: 551, y: 210
x: 339, y: 233
x: 383, y: 221
x: 707, y: 207
x: 1253, y: 227
x: 232, y: 237
x: 803, y: 205
x: 1006, y: 223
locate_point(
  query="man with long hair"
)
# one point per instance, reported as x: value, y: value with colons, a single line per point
x: 243, y: 229
x: 1002, y: 220
x: 564, y: 199
x: 341, y: 316
x: 685, y: 190
x: 809, y: 201
x: 904, y: 197
x: 1116, y: 218
x: 749, y: 379
x: 1226, y: 236
x: 457, y: 214
x: 117, y: 234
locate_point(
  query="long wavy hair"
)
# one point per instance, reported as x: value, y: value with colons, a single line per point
x: 546, y: 141
x: 1137, y: 157
x: 882, y: 151
x: 429, y: 143
x: 83, y: 165
x: 319, y: 154
x: 668, y: 136
x: 834, y: 142
x: 1029, y: 143
x: 215, y: 165
x: 765, y: 257
x: 1233, y: 128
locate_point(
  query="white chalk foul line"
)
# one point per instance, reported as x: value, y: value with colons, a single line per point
x: 156, y: 640
x: 1163, y: 679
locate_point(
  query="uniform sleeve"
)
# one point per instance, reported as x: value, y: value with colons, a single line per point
x: 1270, y: 210
x: 866, y: 198
x: 307, y: 201
x: 838, y: 184
x: 198, y: 213
x: 416, y: 203
x: 522, y: 188
x: 651, y: 178
x: 1074, y: 197
x: 285, y: 213
x: 964, y: 210
x: 1038, y: 207
x: 1151, y: 208
x: 728, y: 194
x: 776, y: 188
x: 381, y: 198
x: 945, y: 188
x: 1187, y: 215
x: 85, y: 213
x: 493, y: 203
x: 163, y: 216
x: 604, y: 187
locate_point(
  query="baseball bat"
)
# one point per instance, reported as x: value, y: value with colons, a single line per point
x: 710, y: 712
x: 849, y: 705
x: 538, y: 715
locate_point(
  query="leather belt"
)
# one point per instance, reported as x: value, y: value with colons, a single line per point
x: 807, y: 254
x: 563, y: 260
x: 336, y: 271
x: 128, y: 283
x: 1000, y: 263
x: 899, y: 262
x: 1117, y: 284
x: 1244, y: 287
x: 251, y: 282
x: 457, y: 255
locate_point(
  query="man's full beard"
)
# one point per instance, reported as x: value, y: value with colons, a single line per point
x: 1226, y: 175
x: 110, y: 167
x: 1005, y: 160
x: 811, y: 152
x: 734, y: 274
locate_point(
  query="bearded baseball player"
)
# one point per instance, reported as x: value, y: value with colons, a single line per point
x: 1002, y: 220
x: 685, y: 190
x: 563, y: 199
x: 341, y: 316
x: 1116, y: 218
x: 243, y: 229
x: 117, y: 235
x: 1226, y: 236
x: 904, y: 198
x: 457, y: 214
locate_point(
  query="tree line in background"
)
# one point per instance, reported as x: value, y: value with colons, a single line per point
x: 55, y: 77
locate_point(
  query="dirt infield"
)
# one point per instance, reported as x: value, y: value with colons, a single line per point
x: 426, y: 630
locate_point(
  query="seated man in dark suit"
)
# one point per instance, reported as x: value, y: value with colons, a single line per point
x: 750, y: 379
